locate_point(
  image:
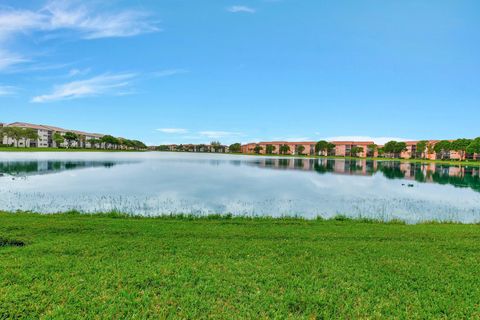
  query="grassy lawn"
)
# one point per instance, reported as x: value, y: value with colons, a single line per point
x: 21, y: 149
x: 74, y: 266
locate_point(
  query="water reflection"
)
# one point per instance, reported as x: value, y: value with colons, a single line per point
x: 169, y: 183
x: 458, y: 176
x: 29, y: 168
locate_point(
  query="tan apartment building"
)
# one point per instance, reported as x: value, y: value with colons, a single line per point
x: 46, y: 134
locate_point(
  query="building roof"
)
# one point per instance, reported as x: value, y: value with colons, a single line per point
x: 352, y: 142
x: 286, y: 142
x: 51, y: 128
x: 27, y: 125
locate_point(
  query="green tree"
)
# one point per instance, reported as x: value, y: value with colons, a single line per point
x: 389, y: 148
x: 354, y: 151
x: 474, y: 147
x: 216, y: 145
x: 461, y: 145
x: 422, y: 148
x: 13, y: 133
x: 430, y: 148
x: 284, y: 149
x: 371, y: 148
x: 70, y: 137
x: 235, y: 148
x: 270, y: 149
x: 394, y: 148
x: 58, y: 139
x: 381, y: 151
x: 163, y: 147
x: 300, y: 149
x: 258, y: 148
x: 321, y: 146
x: 94, y: 142
x: 330, y: 148
x: 139, y: 145
x: 29, y: 134
x: 110, y: 140
x: 443, y: 147
x: 400, y: 147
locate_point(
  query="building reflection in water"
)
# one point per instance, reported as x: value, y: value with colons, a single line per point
x: 31, y: 168
x: 456, y: 175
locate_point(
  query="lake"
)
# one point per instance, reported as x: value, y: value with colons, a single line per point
x: 155, y: 183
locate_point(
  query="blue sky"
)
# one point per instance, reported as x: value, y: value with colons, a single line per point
x: 178, y: 71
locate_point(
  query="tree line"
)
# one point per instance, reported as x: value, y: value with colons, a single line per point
x: 70, y: 138
x: 441, y: 148
x: 391, y: 149
x: 17, y: 134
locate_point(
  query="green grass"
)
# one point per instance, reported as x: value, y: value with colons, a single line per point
x: 110, y: 266
x: 21, y: 149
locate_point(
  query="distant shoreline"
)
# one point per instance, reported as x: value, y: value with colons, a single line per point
x: 21, y: 149
x: 426, y: 161
x: 448, y: 162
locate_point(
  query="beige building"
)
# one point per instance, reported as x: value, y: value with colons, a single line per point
x: 46, y: 137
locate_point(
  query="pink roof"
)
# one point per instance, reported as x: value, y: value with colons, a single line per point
x: 286, y: 142
x: 352, y: 142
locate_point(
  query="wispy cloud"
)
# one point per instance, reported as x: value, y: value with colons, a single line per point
x: 173, y: 130
x: 78, y: 72
x: 241, y: 9
x: 377, y: 140
x: 7, y: 90
x: 63, y: 15
x: 58, y: 16
x: 9, y: 59
x: 169, y: 72
x: 99, y: 85
x: 218, y: 134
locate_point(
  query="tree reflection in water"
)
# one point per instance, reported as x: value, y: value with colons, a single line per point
x: 456, y: 175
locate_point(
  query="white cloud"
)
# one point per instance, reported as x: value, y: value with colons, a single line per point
x: 60, y: 15
x: 169, y: 72
x: 377, y: 140
x: 7, y: 90
x: 173, y: 130
x: 218, y: 134
x: 78, y: 72
x: 241, y: 9
x: 99, y: 85
x: 8, y: 59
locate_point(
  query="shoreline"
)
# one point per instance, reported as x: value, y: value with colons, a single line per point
x: 230, y: 217
x: 33, y: 150
x: 421, y: 161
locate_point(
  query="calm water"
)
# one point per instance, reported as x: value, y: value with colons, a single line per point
x: 164, y: 183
